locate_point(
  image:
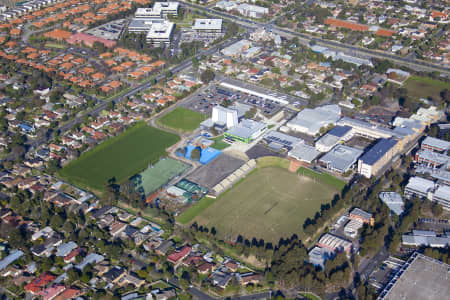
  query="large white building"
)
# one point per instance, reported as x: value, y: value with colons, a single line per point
x: 334, y: 243
x: 334, y: 137
x: 442, y: 196
x: 226, y: 5
x: 141, y: 25
x: 252, y: 11
x: 224, y: 117
x: 159, y: 10
x: 310, y: 121
x: 341, y: 158
x: 377, y: 157
x: 160, y: 33
x: 420, y: 187
x: 237, y: 48
x: 207, y: 25
x: 366, y: 129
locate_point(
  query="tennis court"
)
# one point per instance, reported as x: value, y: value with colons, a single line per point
x: 157, y: 175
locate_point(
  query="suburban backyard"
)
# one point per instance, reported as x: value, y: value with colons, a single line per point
x: 120, y: 157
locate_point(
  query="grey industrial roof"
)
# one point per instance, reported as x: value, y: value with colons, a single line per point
x: 304, y: 152
x: 363, y: 124
x: 314, y: 119
x: 435, y: 241
x: 420, y: 184
x: 144, y: 23
x: 92, y: 258
x: 435, y: 173
x: 13, y: 256
x: 341, y: 157
x: 241, y: 108
x: 438, y: 143
x: 393, y: 200
x: 424, y: 232
x: 246, y: 128
x: 434, y: 156
x: 378, y: 151
x: 66, y: 248
x: 443, y: 192
x: 282, y: 138
x: 420, y: 278
x: 361, y: 213
x: 340, y: 131
x: 328, y: 140
x: 207, y: 24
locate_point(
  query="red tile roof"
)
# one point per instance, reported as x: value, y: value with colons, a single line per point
x: 38, y: 283
x: 344, y: 24
x: 385, y: 32
x: 175, y: 257
x: 89, y: 40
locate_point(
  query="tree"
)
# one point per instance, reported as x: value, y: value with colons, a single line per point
x: 437, y: 209
x: 195, y: 154
x: 56, y: 221
x: 195, y: 63
x: 20, y: 116
x: 207, y: 76
x: 251, y: 113
x: 52, y: 166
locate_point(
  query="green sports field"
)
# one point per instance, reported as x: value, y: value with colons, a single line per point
x: 121, y: 157
x: 182, y: 119
x: 269, y: 203
x: 424, y: 87
x: 152, y: 178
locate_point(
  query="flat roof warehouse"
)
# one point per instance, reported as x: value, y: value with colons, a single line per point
x: 279, y: 98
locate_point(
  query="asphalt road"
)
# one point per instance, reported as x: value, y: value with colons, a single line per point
x: 365, y: 269
x: 265, y: 295
x: 197, y: 294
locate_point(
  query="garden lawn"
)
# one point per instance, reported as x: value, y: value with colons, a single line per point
x: 219, y: 144
x: 182, y: 119
x: 121, y: 157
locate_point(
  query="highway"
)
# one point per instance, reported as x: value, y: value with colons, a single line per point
x: 306, y: 38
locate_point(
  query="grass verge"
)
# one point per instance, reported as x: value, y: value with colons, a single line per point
x: 323, y: 177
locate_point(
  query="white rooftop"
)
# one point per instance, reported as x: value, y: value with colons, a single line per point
x: 442, y: 192
x: 311, y: 120
x: 246, y: 128
x: 429, y: 155
x: 207, y: 24
x: 420, y: 184
x: 161, y: 30
x: 304, y: 152
x: 341, y: 157
x: 166, y: 5
x: 437, y: 143
x: 393, y: 200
